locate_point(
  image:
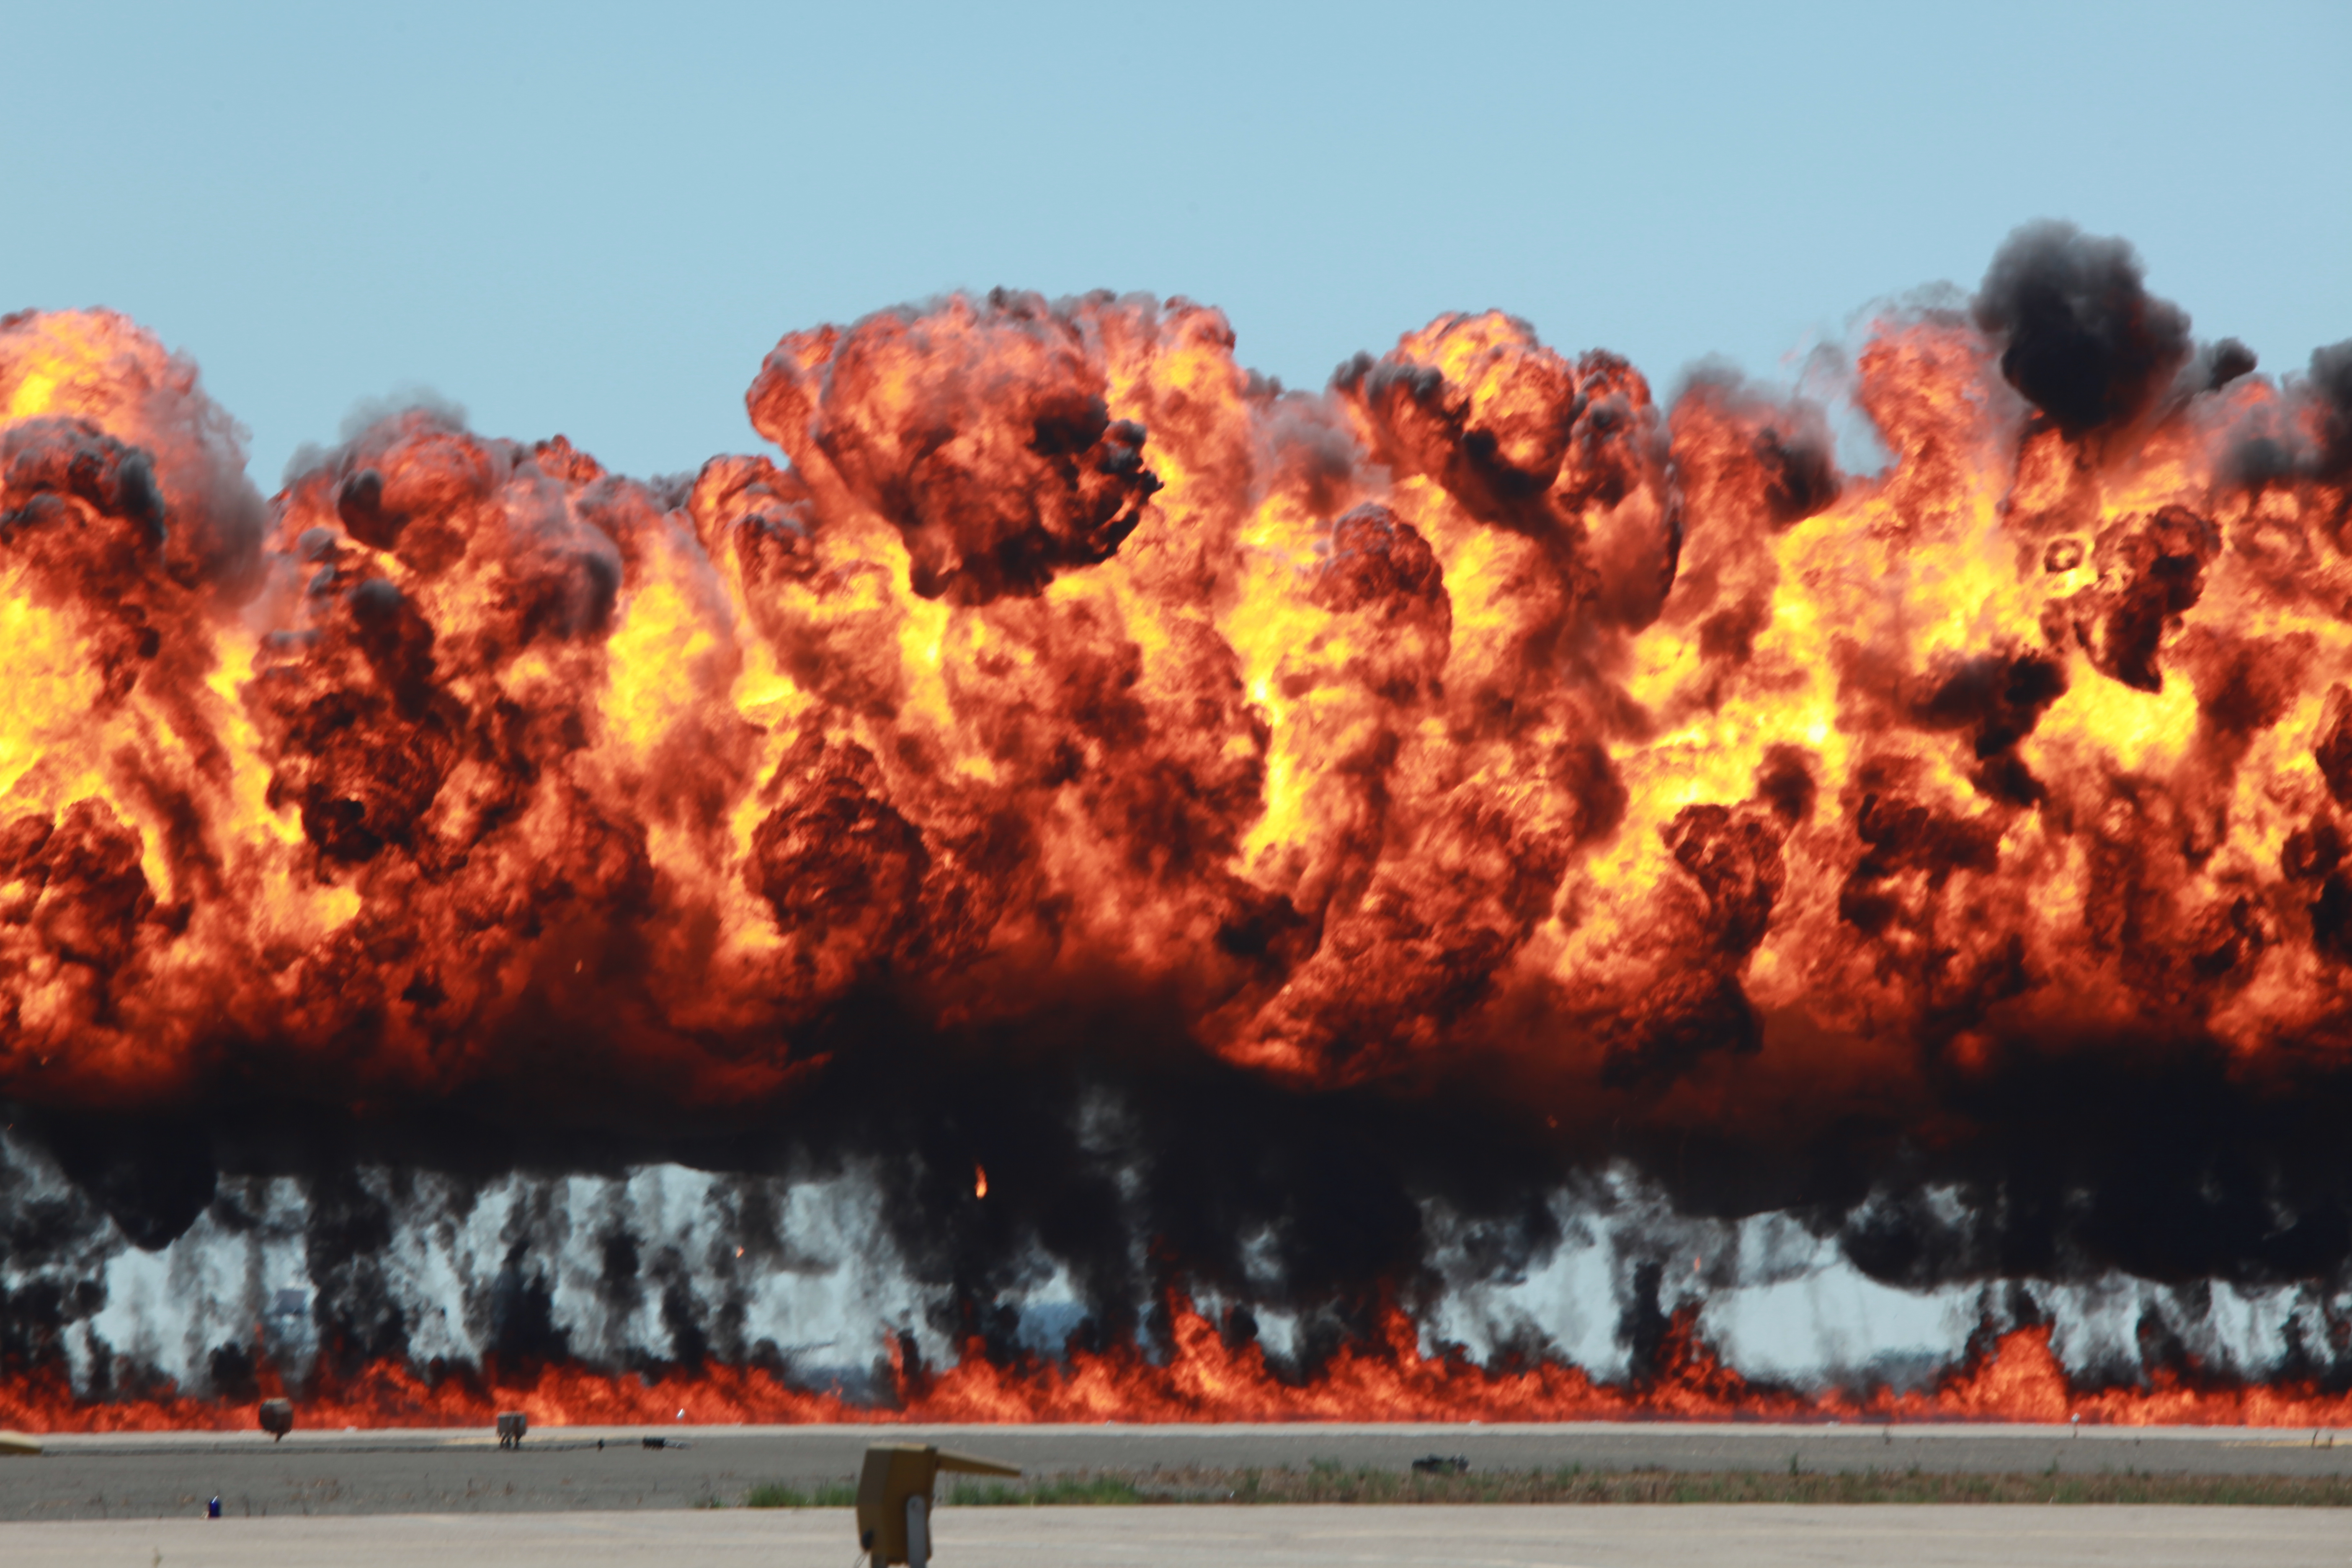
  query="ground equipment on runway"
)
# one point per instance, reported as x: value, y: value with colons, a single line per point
x: 278, y: 1418
x: 894, y: 1498
x: 513, y: 1425
x: 16, y: 1443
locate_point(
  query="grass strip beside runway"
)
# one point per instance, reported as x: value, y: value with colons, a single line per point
x: 1332, y: 1483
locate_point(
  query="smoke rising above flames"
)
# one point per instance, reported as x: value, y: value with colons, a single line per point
x: 1247, y: 822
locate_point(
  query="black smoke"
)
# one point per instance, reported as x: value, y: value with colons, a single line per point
x: 1159, y: 1166
x: 2082, y: 339
x: 2330, y: 389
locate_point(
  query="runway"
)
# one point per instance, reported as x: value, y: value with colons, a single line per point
x: 1491, y: 1537
x: 562, y: 1470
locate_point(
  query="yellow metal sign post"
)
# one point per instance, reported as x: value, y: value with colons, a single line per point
x: 894, y: 1498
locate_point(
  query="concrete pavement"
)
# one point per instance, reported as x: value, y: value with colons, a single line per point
x: 1174, y: 1537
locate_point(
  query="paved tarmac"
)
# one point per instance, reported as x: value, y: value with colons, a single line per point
x: 153, y: 1474
x: 1754, y: 1536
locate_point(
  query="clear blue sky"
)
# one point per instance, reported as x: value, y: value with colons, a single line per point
x: 596, y: 219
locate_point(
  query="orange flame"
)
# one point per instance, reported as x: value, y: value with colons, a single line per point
x: 1201, y: 1378
x: 1472, y: 710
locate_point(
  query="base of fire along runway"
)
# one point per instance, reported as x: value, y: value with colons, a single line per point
x: 1498, y: 1536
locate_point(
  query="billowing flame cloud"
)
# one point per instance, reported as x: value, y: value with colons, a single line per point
x: 1475, y: 733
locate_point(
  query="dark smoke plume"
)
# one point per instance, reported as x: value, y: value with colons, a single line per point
x: 2085, y: 340
x: 2331, y: 392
